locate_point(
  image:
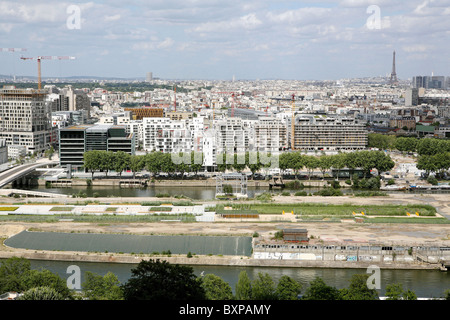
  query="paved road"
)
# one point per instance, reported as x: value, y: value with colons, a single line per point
x: 9, y: 175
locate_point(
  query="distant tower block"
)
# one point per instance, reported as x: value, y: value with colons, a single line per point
x: 149, y: 76
x: 393, y: 80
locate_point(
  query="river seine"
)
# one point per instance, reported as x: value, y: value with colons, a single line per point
x: 425, y: 283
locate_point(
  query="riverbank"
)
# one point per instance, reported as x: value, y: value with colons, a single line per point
x: 207, y: 261
x: 325, y: 232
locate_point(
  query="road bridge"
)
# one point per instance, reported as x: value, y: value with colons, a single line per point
x: 18, y: 172
x: 29, y: 193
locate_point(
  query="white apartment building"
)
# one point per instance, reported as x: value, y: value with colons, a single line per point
x: 232, y: 135
x: 270, y: 135
x: 167, y: 136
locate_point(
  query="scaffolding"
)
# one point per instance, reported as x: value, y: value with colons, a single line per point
x: 238, y: 182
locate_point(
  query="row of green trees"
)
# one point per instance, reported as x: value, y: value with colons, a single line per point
x: 423, y: 146
x: 160, y: 280
x: 364, y: 160
x: 157, y: 162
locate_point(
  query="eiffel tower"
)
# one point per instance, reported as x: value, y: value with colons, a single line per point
x: 393, y: 80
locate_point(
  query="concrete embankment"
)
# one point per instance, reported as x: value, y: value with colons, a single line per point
x: 207, y: 260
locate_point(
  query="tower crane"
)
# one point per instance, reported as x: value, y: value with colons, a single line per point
x: 233, y: 99
x: 39, y: 58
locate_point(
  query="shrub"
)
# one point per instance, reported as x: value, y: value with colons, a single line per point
x: 329, y: 192
x: 301, y: 193
x: 228, y: 189
x: 285, y: 193
x: 432, y: 180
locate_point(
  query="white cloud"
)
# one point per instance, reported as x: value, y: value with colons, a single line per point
x: 112, y: 18
x: 247, y: 22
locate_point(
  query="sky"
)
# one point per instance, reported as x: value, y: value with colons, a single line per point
x: 216, y: 40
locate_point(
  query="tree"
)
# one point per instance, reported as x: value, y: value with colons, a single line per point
x: 395, y: 292
x: 46, y: 278
x: 121, y: 161
x: 319, y: 290
x: 239, y: 163
x: 184, y: 165
x: 406, y: 144
x: 137, y: 163
x: 381, y: 161
x: 196, y: 161
x: 41, y: 293
x: 338, y: 163
x: 159, y: 280
x: 243, y: 287
x: 288, y: 288
x: 263, y: 288
x: 216, y: 288
x: 97, y: 287
x: 106, y: 161
x: 358, y: 289
x: 12, y: 273
x: 91, y: 161
x: 324, y: 164
x: 253, y: 162
x: 311, y: 163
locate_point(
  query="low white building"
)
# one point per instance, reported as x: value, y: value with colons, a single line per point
x: 15, y: 151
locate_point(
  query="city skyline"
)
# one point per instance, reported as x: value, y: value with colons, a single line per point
x: 219, y: 40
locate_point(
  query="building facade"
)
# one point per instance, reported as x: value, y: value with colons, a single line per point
x: 329, y: 134
x: 25, y: 118
x: 74, y: 141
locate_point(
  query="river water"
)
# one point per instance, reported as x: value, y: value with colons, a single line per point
x: 425, y: 283
x: 195, y: 193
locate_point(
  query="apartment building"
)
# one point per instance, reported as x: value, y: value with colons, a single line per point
x: 232, y: 135
x: 165, y: 135
x: 329, y: 134
x: 270, y: 135
x: 25, y: 118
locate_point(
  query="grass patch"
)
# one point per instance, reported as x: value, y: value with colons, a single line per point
x: 408, y: 220
x: 8, y: 208
x: 371, y: 194
x: 61, y: 209
x: 161, y: 209
x: 343, y: 210
x: 111, y: 209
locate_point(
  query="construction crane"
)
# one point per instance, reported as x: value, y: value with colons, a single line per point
x: 233, y: 99
x: 39, y: 58
x: 293, y: 123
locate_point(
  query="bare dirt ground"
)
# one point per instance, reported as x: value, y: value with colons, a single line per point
x: 409, y: 234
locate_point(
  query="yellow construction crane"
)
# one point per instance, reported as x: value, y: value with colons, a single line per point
x: 46, y: 58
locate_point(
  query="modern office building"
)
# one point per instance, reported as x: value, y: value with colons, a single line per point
x: 25, y: 118
x: 329, y: 134
x: 74, y: 141
x: 411, y: 97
